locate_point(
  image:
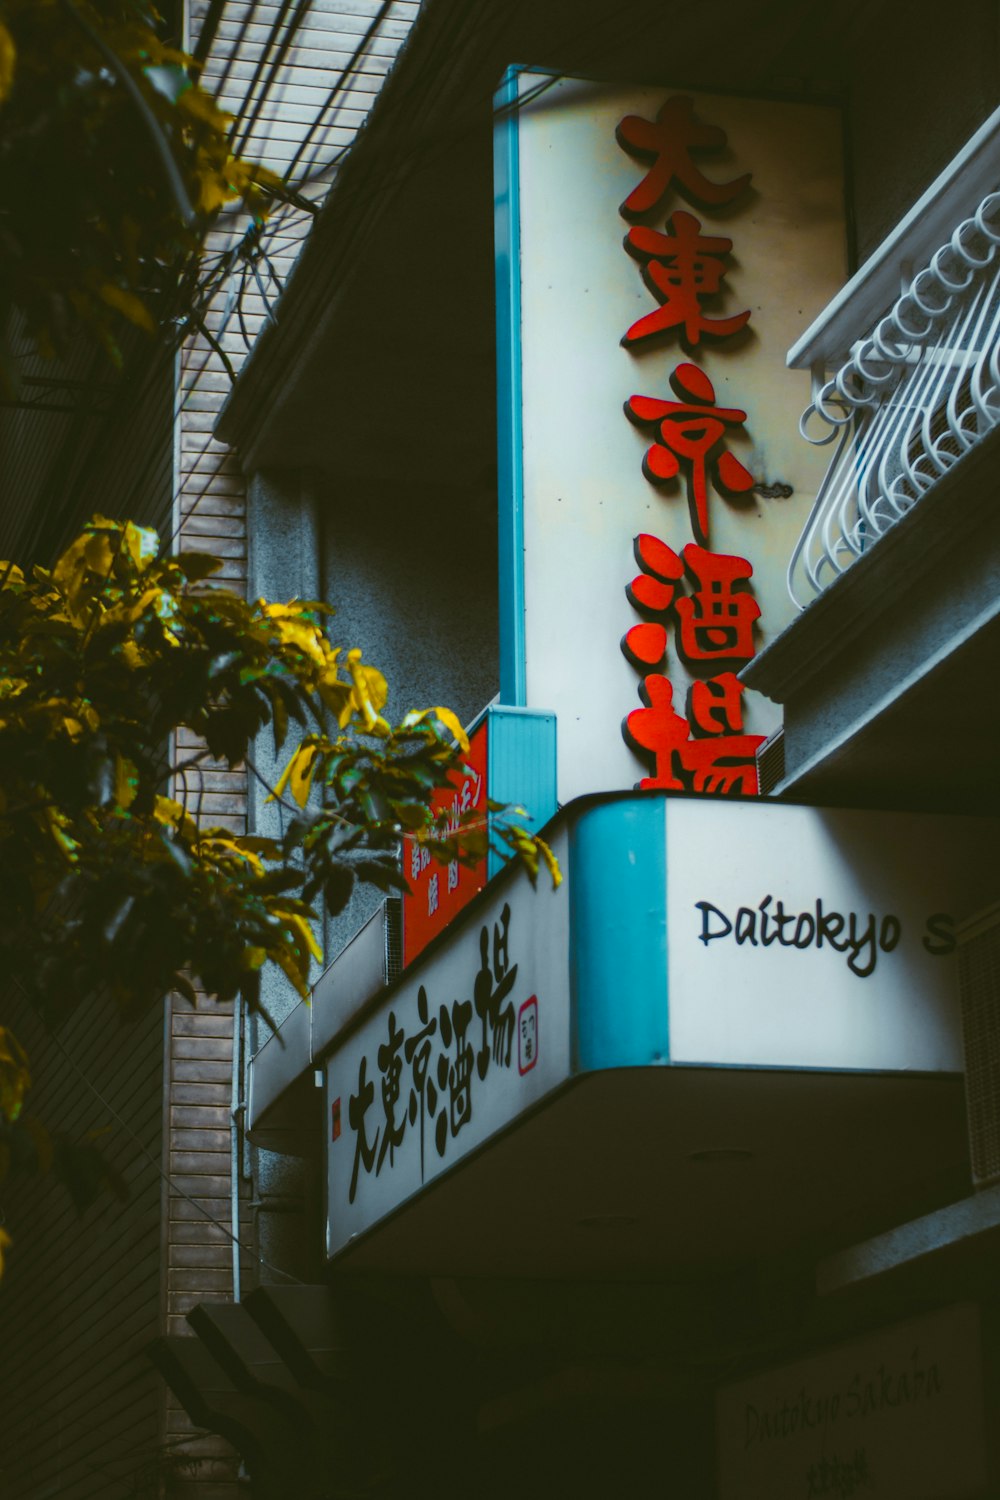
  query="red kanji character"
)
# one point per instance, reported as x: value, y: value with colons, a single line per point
x: 653, y: 588
x: 651, y: 591
x: 669, y: 142
x: 725, y: 765
x: 654, y: 556
x: 714, y: 707
x: 658, y: 729
x: 716, y: 624
x: 692, y: 431
x: 680, y: 269
x: 645, y: 645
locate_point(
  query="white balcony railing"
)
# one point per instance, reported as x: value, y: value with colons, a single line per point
x: 921, y: 387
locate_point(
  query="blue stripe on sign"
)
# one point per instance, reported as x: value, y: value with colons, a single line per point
x: 521, y: 766
x: 618, y: 934
x: 510, y: 475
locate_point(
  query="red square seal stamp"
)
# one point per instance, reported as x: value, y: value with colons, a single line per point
x: 527, y: 1035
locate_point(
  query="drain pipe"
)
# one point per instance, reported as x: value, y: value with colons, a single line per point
x: 235, y: 1119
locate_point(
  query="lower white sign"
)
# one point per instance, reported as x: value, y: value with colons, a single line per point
x: 897, y: 1414
x: 780, y: 937
x: 477, y: 1035
x: 819, y: 937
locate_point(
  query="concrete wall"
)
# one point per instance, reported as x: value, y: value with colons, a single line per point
x: 925, y: 79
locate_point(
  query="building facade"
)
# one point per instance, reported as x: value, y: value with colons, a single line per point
x: 619, y: 1320
x: 85, y: 1412
x: 678, y: 1229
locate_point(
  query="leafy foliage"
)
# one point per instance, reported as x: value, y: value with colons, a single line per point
x: 113, y: 160
x: 113, y: 163
x: 106, y: 879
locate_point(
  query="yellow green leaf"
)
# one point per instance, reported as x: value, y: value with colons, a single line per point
x: 303, y: 769
x: 300, y: 926
x: 8, y: 60
x: 168, y: 812
x: 369, y: 694
x: 58, y: 824
x: 133, y: 656
x: 283, y: 958
x: 129, y: 305
x: 15, y: 1079
x: 550, y: 861
x: 213, y: 191
x: 305, y: 636
x: 126, y: 781
x: 445, y: 717
x: 218, y: 845
x: 202, y: 106
x: 298, y: 774
x: 91, y: 552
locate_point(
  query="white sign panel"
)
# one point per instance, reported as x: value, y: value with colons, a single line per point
x: 810, y: 937
x: 897, y: 1414
x: 472, y: 1040
x: 782, y: 937
x: 732, y: 313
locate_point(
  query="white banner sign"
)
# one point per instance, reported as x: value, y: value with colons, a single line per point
x: 896, y: 1415
x: 811, y: 937
x: 475, y: 1038
x: 686, y: 931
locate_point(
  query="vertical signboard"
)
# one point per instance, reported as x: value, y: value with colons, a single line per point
x: 438, y: 892
x: 658, y: 251
x: 510, y: 764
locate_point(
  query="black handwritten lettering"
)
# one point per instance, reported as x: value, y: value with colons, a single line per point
x: 707, y: 935
x: 829, y: 926
x: 861, y: 937
x: 746, y: 926
x: 837, y: 1476
x: 881, y: 1387
x: 890, y: 933
x: 767, y: 941
x: 418, y: 1090
x: 857, y: 943
x: 805, y: 930
x: 782, y: 919
x: 939, y: 939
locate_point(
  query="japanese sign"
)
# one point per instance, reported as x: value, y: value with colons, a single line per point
x: 477, y: 1035
x: 438, y: 892
x: 708, y: 751
x: 898, y: 1413
x: 665, y: 248
x: 824, y: 938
